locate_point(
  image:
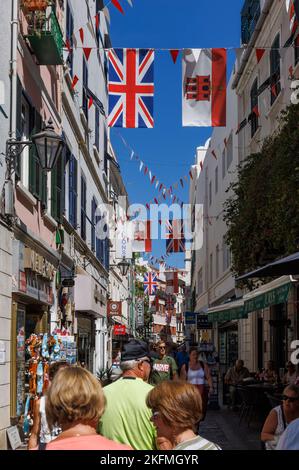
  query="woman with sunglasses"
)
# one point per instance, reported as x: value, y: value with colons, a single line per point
x: 280, y: 416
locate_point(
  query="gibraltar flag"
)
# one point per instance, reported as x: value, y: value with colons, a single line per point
x: 204, y: 87
x: 172, y: 282
x: 141, y: 236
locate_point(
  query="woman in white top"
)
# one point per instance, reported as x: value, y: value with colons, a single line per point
x: 40, y: 432
x: 198, y: 374
x: 280, y: 416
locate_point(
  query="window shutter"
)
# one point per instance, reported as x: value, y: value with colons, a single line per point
x: 32, y: 161
x: 19, y: 123
x: 54, y: 213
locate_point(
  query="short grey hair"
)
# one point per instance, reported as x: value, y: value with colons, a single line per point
x: 293, y: 388
x: 132, y: 364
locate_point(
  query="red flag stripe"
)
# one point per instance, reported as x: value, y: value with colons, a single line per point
x: 218, y: 87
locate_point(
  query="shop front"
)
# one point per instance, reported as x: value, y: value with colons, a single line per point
x: 91, y: 322
x: 32, y: 298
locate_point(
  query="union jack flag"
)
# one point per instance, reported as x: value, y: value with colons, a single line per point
x: 175, y: 241
x: 131, y: 88
x: 150, y: 283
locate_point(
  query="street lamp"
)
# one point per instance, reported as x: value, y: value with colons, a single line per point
x: 49, y: 146
x: 124, y: 266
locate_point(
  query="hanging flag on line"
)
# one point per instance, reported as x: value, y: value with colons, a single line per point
x: 131, y: 88
x: 172, y: 282
x: 175, y: 241
x: 150, y: 283
x: 204, y: 87
x: 141, y: 236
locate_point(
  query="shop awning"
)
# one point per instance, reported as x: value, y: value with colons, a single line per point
x: 284, y: 266
x: 226, y: 312
x: 272, y: 293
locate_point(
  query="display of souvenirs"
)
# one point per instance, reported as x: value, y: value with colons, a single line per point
x: 42, y: 350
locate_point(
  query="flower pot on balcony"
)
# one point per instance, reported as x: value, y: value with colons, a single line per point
x: 35, y: 5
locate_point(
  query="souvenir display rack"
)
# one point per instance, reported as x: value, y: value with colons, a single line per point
x: 41, y: 350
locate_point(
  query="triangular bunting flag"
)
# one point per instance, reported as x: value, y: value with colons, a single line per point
x: 182, y: 182
x: 145, y: 170
x: 130, y: 3
x: 141, y: 165
x: 90, y: 28
x: 157, y: 184
x: 174, y: 54
x: 81, y: 32
x: 107, y: 14
x: 153, y: 179
x: 117, y: 5
x: 74, y: 41
x: 87, y: 51
x: 132, y: 155
x: 201, y: 166
x: 97, y: 21
x: 75, y: 81
x: 90, y: 102
x: 214, y: 154
x: 259, y: 54
x: 190, y: 174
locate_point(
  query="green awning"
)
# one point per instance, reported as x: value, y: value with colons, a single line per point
x: 279, y: 295
x: 227, y: 312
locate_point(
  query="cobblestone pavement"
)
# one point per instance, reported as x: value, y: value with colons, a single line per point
x: 222, y: 427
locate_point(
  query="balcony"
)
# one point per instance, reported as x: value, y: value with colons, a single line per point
x: 250, y: 14
x: 45, y: 38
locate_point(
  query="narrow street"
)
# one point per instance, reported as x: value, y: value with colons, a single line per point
x: 222, y: 427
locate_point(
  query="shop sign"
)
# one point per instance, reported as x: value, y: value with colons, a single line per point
x: 123, y: 244
x: 119, y: 330
x: 114, y: 308
x: 272, y: 297
x: 140, y: 312
x: 38, y: 264
x: 36, y: 287
x: 190, y: 318
x: 203, y: 322
x: 14, y: 437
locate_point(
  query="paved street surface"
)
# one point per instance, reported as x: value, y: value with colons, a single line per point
x: 222, y: 427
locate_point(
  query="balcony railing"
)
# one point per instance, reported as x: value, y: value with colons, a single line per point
x: 46, y: 39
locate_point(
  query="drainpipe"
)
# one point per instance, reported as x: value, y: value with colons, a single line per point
x: 249, y: 46
x: 13, y: 68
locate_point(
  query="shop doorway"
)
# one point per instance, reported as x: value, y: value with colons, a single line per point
x: 86, y: 341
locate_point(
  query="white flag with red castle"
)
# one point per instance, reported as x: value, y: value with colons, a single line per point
x: 172, y: 282
x: 204, y: 87
x: 141, y: 236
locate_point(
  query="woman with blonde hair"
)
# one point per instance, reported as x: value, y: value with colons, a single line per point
x: 177, y: 409
x: 75, y: 402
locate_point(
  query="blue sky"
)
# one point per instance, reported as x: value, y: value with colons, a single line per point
x: 168, y: 149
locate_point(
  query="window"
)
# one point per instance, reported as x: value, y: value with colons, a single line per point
x: 211, y: 268
x: 97, y: 128
x: 297, y: 50
x: 93, y: 223
x: 105, y: 152
x: 99, y: 241
x: 84, y: 90
x: 223, y: 164
x: 199, y: 282
x: 83, y: 208
x: 210, y: 192
x: 216, y: 180
x: 254, y: 120
x: 69, y: 36
x: 99, y: 7
x: 275, y: 69
x: 217, y: 261
x: 226, y: 255
x: 57, y: 189
x: 73, y: 191
x: 229, y: 151
x: 249, y: 17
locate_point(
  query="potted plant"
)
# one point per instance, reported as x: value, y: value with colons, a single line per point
x: 104, y: 375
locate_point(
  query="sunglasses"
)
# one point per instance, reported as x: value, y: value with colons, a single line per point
x: 291, y: 399
x: 161, y: 347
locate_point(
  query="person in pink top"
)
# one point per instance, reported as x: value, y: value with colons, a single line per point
x: 75, y: 402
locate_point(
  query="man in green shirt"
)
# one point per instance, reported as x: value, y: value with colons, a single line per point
x: 164, y: 368
x: 127, y: 418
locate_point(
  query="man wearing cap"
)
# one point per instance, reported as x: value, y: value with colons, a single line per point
x: 127, y: 418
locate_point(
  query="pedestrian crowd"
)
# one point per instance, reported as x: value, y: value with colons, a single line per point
x: 157, y: 403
